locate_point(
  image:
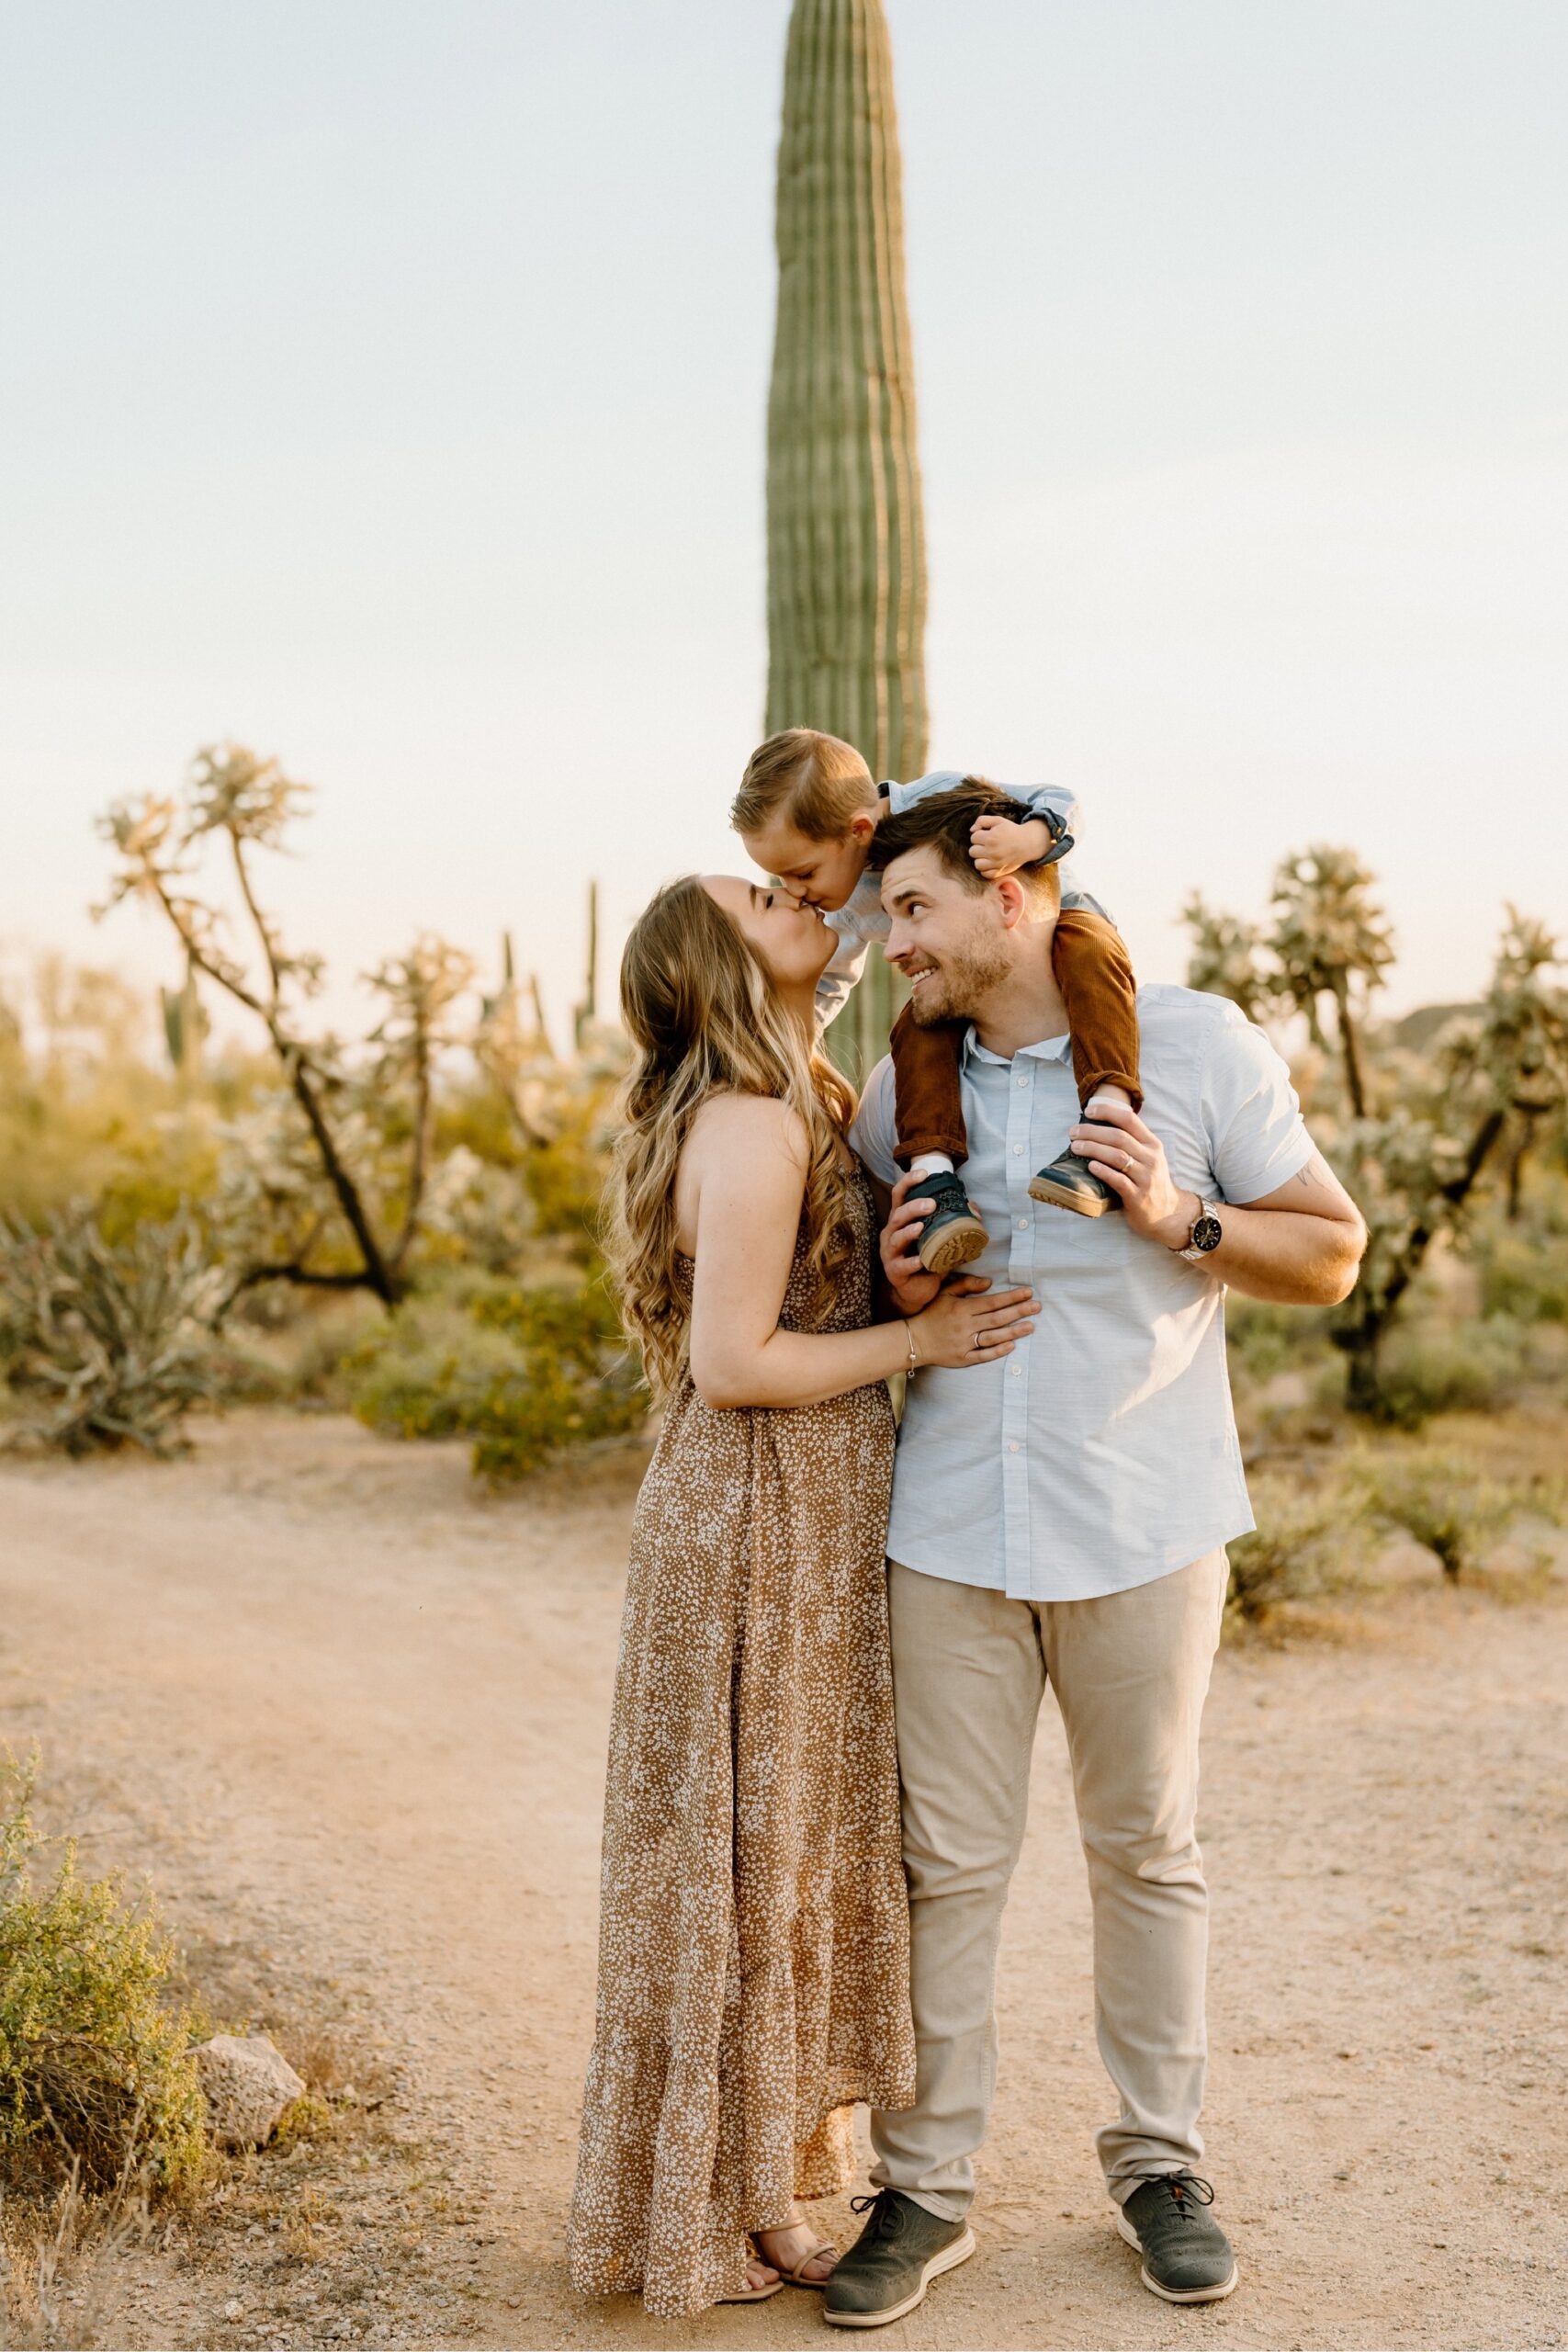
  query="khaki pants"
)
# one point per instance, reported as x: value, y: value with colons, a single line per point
x: 1131, y: 1672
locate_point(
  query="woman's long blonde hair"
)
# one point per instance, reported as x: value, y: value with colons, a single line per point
x: 701, y: 1012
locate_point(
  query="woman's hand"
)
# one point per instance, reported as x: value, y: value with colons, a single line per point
x: 967, y: 1323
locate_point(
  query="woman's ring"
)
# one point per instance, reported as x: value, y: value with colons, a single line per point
x: 977, y: 1340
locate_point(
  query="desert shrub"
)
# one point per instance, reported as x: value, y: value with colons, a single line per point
x: 83, y: 1110
x: 95, y: 2074
x: 1301, y: 1544
x: 306, y: 1341
x: 1263, y: 1340
x: 521, y: 1371
x: 577, y: 1379
x: 1524, y: 1273
x: 1472, y: 1366
x: 425, y: 1371
x: 1447, y: 1502
x: 565, y: 1180
x: 108, y: 1340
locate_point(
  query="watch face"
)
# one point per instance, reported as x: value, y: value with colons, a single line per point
x: 1207, y: 1233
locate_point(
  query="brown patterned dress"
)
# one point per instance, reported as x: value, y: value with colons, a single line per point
x: 753, y: 1953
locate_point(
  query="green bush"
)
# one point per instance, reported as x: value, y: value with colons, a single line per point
x: 1524, y: 1274
x: 306, y: 1347
x: 110, y: 1341
x: 1301, y: 1544
x: 1468, y: 1367
x: 522, y: 1372
x: 1263, y: 1340
x: 95, y: 2071
x: 424, y: 1374
x: 565, y: 1181
x: 1448, y: 1504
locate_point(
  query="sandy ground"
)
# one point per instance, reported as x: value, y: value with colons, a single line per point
x: 349, y: 1713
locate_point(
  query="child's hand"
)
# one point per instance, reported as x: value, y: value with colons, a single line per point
x: 999, y: 847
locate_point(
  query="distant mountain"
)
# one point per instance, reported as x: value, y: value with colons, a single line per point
x: 1418, y: 1029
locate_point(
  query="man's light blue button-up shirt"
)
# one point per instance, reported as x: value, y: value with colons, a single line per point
x: 1102, y: 1452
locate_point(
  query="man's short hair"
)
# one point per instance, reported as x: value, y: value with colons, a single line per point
x: 819, y: 782
x: 943, y: 822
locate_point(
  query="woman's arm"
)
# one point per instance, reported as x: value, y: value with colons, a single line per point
x: 745, y: 1163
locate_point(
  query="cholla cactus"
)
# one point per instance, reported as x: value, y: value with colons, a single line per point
x: 1331, y: 939
x: 1227, y: 958
x: 110, y: 1341
x: 1415, y: 1172
x: 244, y: 804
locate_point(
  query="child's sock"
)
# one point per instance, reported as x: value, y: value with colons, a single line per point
x: 930, y: 1163
x: 1107, y: 1094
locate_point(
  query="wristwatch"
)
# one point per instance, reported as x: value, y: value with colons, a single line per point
x: 1207, y: 1233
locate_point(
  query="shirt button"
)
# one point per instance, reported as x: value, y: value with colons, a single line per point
x: 1016, y: 1370
x: 1021, y: 1222
x: 1012, y: 1445
x: 1018, y: 1151
x: 1023, y: 1082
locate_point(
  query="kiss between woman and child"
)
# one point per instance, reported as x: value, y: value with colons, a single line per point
x: 807, y: 811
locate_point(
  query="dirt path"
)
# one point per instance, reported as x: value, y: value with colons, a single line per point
x: 351, y: 1714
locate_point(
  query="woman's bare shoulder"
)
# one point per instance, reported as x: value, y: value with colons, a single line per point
x: 734, y: 1122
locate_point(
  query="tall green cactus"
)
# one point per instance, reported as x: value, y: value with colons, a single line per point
x: 846, y: 534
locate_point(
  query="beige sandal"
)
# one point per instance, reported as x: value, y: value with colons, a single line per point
x: 755, y: 2294
x: 813, y: 2254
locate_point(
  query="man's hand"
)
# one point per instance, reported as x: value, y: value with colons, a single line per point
x: 911, y: 1287
x: 999, y: 847
x: 1132, y: 1159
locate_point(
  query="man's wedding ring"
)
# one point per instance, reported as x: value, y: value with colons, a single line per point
x: 976, y: 1341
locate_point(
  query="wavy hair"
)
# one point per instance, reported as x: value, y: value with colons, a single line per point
x: 701, y: 1011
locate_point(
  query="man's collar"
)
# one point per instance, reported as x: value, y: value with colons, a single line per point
x: 1045, y: 1050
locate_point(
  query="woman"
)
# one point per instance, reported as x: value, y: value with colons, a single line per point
x: 754, y: 1940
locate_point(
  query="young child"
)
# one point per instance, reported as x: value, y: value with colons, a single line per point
x: 807, y: 810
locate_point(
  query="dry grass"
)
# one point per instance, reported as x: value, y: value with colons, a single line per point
x: 1351, y: 1519
x: 78, y: 2243
x: 59, y: 2261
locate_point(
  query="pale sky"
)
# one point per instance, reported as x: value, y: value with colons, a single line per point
x: 384, y: 386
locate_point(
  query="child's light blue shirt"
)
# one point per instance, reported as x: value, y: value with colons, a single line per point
x: 861, y: 920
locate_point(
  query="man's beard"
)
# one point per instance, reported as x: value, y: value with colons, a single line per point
x: 963, y: 982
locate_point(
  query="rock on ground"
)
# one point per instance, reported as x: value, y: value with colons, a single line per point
x: 248, y: 2081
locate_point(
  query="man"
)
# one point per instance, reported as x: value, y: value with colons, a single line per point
x: 1061, y: 1517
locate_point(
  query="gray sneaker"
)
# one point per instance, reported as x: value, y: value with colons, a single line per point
x: 886, y: 2271
x: 1187, y: 2255
x: 1069, y: 1182
x: 951, y: 1236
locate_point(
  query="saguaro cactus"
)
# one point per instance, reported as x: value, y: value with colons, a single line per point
x: 846, y: 535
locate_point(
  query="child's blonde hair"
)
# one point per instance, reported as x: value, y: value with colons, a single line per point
x: 815, y: 780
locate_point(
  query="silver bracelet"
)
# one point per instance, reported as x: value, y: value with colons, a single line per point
x: 914, y: 1363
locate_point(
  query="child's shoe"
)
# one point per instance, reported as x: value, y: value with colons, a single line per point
x: 1070, y: 1182
x: 953, y: 1235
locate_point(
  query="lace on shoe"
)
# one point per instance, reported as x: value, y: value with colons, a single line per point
x: 884, y: 2210
x: 1182, y: 2183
